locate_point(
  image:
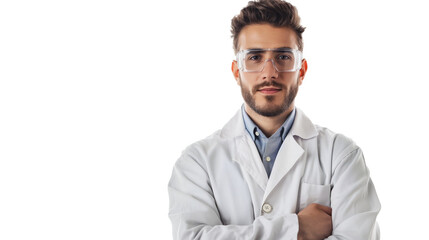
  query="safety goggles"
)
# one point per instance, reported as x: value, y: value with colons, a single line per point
x: 283, y: 59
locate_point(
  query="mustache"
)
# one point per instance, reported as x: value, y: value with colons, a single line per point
x: 268, y: 84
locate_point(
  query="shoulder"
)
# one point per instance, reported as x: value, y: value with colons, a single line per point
x: 206, y: 145
x: 199, y: 157
x: 327, y: 142
x: 220, y: 142
x: 195, y: 153
x: 305, y: 129
x: 222, y: 139
x: 341, y: 144
x: 340, y: 148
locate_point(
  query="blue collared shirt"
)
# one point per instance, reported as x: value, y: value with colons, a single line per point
x: 268, y: 147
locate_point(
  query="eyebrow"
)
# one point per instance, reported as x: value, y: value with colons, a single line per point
x: 272, y: 49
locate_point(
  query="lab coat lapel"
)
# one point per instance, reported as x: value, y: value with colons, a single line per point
x: 245, y: 152
x: 290, y: 151
x: 287, y: 156
x: 248, y: 157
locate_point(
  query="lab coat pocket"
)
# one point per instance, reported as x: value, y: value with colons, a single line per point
x: 312, y: 193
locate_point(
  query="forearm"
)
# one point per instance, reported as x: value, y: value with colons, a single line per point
x: 367, y: 232
x: 360, y: 226
x: 262, y: 229
x: 194, y: 212
x: 354, y: 200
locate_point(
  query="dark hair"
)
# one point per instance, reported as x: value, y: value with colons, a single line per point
x: 275, y: 12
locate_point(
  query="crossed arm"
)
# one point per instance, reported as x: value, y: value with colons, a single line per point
x: 355, y: 205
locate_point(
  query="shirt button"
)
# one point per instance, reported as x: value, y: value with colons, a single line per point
x: 257, y: 134
x: 266, y: 208
x: 268, y: 159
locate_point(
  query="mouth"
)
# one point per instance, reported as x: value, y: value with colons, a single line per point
x: 269, y: 90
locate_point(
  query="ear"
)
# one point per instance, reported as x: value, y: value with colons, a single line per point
x: 302, y: 71
x: 235, y: 71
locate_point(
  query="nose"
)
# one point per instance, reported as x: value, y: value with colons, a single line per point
x: 269, y: 71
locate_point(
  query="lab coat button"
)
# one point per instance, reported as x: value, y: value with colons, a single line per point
x: 266, y: 208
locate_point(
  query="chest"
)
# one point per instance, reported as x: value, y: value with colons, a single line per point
x: 242, y: 194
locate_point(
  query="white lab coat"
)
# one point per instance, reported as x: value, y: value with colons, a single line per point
x: 219, y: 185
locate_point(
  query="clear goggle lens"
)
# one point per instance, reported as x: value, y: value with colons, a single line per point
x: 283, y: 59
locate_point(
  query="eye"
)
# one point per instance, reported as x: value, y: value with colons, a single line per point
x: 254, y: 57
x: 284, y: 57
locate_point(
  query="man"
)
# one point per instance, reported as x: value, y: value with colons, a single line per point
x: 270, y: 173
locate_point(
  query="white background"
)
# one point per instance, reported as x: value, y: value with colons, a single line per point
x: 99, y: 98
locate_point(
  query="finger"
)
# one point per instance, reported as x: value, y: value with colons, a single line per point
x: 326, y: 209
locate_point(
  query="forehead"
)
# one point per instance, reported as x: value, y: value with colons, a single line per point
x: 266, y: 36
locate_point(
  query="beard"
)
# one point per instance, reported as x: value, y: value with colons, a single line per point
x: 271, y: 109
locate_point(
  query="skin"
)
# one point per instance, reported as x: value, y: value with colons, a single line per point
x: 315, y: 222
x: 269, y: 99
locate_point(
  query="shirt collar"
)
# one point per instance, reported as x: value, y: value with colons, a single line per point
x: 251, y: 127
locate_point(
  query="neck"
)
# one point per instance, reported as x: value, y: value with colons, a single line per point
x: 268, y: 125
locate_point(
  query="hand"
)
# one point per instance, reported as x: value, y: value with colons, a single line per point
x: 315, y: 222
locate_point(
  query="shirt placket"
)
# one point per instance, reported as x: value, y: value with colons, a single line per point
x: 269, y: 155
